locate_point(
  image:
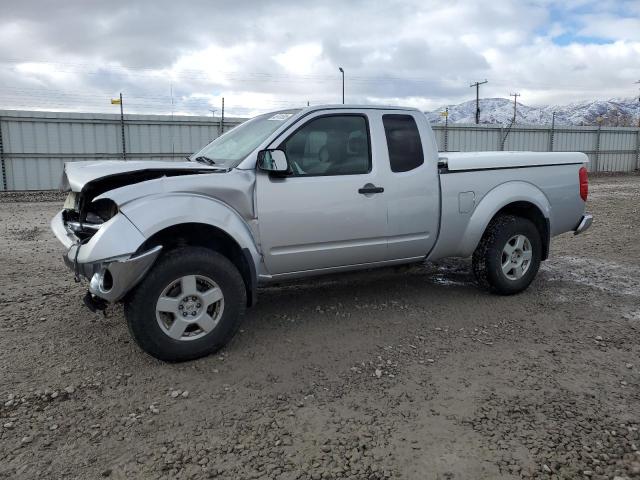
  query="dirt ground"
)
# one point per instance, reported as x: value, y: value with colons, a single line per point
x: 407, y: 373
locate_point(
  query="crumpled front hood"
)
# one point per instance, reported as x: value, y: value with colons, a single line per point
x: 78, y: 174
x: 234, y: 188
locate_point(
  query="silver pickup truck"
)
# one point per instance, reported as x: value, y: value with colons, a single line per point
x: 294, y: 193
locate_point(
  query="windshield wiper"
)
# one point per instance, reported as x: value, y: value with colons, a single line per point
x: 203, y: 159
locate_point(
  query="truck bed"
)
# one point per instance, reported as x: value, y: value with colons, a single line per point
x: 462, y: 161
x: 474, y: 186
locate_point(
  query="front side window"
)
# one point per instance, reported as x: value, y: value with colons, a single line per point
x: 330, y: 145
x: 403, y: 142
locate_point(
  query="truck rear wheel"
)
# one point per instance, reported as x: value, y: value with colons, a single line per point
x: 188, y: 306
x: 508, y: 257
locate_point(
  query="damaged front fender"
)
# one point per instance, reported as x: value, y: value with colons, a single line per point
x: 116, y: 238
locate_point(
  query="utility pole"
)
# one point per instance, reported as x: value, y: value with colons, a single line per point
x: 477, y: 85
x: 124, y: 142
x: 173, y: 144
x: 446, y: 129
x: 515, y: 104
x: 2, y: 163
x: 638, y: 83
x: 599, y: 120
x: 118, y: 101
x: 342, y: 72
x: 222, y: 118
x: 552, y: 131
x: 638, y: 136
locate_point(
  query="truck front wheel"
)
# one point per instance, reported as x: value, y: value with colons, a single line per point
x: 508, y: 257
x: 188, y: 306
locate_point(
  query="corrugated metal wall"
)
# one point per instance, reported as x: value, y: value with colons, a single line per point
x: 35, y: 145
x: 610, y: 149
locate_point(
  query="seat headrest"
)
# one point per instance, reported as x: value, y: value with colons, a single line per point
x: 356, y: 145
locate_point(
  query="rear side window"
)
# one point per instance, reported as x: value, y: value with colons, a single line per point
x: 403, y: 142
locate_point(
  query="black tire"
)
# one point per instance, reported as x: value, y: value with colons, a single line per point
x: 140, y: 305
x: 488, y: 256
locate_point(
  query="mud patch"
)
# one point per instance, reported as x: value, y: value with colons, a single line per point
x: 455, y: 272
x: 607, y: 276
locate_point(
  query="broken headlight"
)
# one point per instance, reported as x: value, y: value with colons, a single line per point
x: 100, y: 211
x: 87, y: 222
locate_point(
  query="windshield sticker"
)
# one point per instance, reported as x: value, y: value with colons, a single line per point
x: 281, y: 116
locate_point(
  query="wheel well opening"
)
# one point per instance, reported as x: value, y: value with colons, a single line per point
x: 531, y: 212
x: 207, y: 236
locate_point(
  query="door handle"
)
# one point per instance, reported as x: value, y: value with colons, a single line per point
x: 370, y: 188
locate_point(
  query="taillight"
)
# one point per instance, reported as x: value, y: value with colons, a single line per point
x: 584, y: 183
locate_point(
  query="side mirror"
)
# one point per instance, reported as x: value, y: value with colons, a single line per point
x: 273, y: 161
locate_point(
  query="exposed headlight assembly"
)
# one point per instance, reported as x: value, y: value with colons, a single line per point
x: 89, y: 220
x: 100, y: 211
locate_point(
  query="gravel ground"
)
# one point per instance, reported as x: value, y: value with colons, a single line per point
x: 399, y: 373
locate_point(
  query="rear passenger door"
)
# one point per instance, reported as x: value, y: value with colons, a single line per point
x: 412, y: 190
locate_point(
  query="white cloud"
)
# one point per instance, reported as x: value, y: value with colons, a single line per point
x: 267, y: 55
x: 611, y: 27
x: 300, y: 59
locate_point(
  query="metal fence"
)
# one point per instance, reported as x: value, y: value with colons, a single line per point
x: 610, y: 149
x: 35, y: 145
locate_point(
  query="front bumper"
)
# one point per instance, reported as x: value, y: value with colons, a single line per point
x: 112, y: 280
x: 585, y: 223
x: 106, y: 259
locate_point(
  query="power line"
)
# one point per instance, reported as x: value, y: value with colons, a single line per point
x: 233, y: 76
x: 42, y: 93
x: 100, y: 104
x: 253, y: 77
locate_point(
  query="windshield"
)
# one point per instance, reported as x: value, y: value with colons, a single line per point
x: 232, y: 147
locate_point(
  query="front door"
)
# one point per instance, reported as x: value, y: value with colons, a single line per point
x: 331, y: 210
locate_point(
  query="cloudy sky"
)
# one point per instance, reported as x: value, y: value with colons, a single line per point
x: 183, y: 56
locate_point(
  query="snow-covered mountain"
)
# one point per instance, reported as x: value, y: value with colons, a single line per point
x: 614, y: 112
